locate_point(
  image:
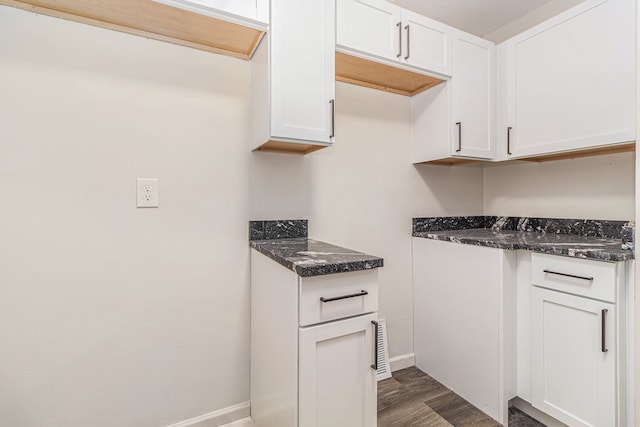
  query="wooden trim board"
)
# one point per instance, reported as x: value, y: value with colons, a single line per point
x: 452, y: 161
x: 154, y: 20
x: 587, y: 152
x: 289, y: 147
x: 363, y: 72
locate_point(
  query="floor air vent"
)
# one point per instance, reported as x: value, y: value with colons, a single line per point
x: 384, y: 370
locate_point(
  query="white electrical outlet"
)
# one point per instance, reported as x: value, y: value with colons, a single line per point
x: 147, y: 192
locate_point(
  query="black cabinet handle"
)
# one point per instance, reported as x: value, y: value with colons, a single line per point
x: 333, y: 117
x: 604, y: 330
x: 374, y: 365
x: 459, y: 124
x: 408, y: 42
x: 359, y: 294
x: 589, y: 279
x: 509, y: 140
x: 399, y: 25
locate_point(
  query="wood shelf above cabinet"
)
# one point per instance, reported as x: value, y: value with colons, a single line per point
x: 363, y: 72
x: 289, y: 147
x: 451, y: 161
x: 147, y: 18
x: 588, y: 152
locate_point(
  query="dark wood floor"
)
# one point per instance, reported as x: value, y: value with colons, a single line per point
x: 412, y: 398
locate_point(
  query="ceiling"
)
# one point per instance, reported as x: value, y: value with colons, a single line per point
x: 479, y: 17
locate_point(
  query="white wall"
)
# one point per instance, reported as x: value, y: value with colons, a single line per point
x: 112, y: 315
x: 600, y: 187
x: 365, y: 192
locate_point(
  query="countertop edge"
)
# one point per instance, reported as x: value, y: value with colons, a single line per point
x: 371, y: 262
x: 562, y: 251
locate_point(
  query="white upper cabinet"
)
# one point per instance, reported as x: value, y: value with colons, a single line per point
x: 369, y: 26
x: 473, y: 95
x: 453, y: 122
x: 293, y: 81
x: 387, y: 33
x: 251, y: 13
x: 426, y: 43
x: 569, y: 83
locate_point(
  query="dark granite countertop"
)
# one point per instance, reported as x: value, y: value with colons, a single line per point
x: 308, y: 257
x: 600, y: 240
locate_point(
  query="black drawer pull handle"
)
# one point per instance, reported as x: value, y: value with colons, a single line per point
x: 590, y: 279
x: 604, y: 330
x: 374, y: 365
x: 359, y: 294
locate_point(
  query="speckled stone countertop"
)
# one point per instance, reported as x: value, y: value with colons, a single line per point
x: 600, y: 240
x: 286, y: 242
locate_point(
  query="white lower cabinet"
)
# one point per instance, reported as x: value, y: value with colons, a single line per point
x: 464, y: 321
x: 494, y: 324
x: 574, y: 358
x: 337, y: 384
x: 312, y: 349
x: 578, y: 324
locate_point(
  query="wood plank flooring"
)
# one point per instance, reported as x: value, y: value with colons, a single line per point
x: 412, y: 398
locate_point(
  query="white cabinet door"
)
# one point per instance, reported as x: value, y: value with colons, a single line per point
x: 455, y: 119
x: 570, y: 81
x: 337, y: 383
x: 573, y: 361
x: 473, y: 96
x: 302, y: 61
x: 426, y: 43
x: 464, y: 320
x: 293, y: 79
x: 383, y: 31
x: 372, y: 27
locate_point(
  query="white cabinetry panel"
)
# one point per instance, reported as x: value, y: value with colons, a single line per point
x: 573, y: 369
x: 426, y: 43
x: 293, y: 79
x: 381, y: 31
x: 455, y: 120
x: 473, y: 91
x: 570, y: 81
x: 332, y: 286
x: 318, y: 375
x: 302, y: 69
x: 337, y: 383
x: 369, y: 26
x: 464, y: 311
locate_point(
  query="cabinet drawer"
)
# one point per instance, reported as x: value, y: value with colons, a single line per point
x: 591, y: 279
x: 344, y: 295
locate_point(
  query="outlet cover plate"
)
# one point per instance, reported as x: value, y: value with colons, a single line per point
x: 147, y: 193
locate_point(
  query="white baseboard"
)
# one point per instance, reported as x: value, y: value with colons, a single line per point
x: 544, y: 418
x: 218, y: 418
x: 402, y: 362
